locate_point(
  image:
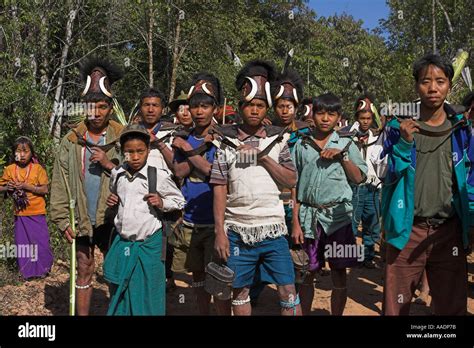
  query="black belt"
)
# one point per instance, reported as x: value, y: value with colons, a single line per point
x: 432, y: 221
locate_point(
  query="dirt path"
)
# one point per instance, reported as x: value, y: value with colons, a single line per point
x: 49, y: 296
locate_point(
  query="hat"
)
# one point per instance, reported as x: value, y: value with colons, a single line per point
x: 208, y: 84
x: 136, y: 129
x: 364, y: 103
x: 99, y: 75
x: 288, y: 85
x: 181, y: 100
x: 253, y: 81
x: 306, y: 109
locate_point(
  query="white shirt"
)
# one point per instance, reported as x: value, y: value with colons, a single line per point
x: 372, y: 151
x: 136, y: 219
x: 155, y: 158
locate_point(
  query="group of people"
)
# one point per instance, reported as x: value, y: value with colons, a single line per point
x: 272, y: 200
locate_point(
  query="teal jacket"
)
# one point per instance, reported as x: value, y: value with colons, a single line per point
x: 398, y: 188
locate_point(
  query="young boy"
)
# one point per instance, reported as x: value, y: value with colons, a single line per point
x: 427, y: 204
x: 248, y: 176
x: 366, y: 198
x: 326, y: 165
x: 193, y: 159
x: 134, y: 265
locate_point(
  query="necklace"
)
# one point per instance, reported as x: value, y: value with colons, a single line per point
x: 28, y: 171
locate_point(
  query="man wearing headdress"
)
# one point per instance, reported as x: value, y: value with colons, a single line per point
x: 85, y: 157
x: 251, y: 168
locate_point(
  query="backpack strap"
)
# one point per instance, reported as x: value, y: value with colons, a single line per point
x: 152, y: 184
x: 85, y: 143
x: 114, y: 187
x: 275, y: 141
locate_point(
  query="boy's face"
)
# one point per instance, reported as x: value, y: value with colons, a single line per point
x: 285, y: 111
x: 151, y: 110
x: 184, y: 116
x: 432, y: 87
x: 202, y: 114
x: 254, y: 112
x: 99, y: 114
x: 136, y: 153
x: 365, y: 120
x: 325, y: 121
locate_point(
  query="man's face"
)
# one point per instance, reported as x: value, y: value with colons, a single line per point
x: 136, y: 153
x: 98, y: 114
x: 325, y: 121
x: 202, y: 114
x: 365, y: 120
x: 254, y: 112
x: 432, y: 87
x: 285, y: 111
x: 184, y: 116
x: 151, y: 110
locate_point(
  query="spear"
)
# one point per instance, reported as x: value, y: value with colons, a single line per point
x: 289, y: 56
x: 223, y: 113
x: 233, y: 56
x: 72, y: 270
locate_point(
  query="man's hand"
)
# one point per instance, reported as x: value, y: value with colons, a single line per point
x: 297, y: 234
x: 181, y: 144
x: 69, y: 234
x: 99, y: 156
x: 112, y: 200
x: 408, y: 128
x: 221, y: 245
x: 267, y: 122
x: 330, y: 154
x: 154, y: 199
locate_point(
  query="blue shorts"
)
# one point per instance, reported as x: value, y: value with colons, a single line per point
x: 272, y: 256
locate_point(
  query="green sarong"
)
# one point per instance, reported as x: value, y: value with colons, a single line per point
x: 137, y: 275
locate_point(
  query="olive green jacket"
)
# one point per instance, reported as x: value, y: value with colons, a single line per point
x: 69, y: 159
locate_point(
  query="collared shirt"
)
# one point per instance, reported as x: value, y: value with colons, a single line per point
x: 220, y: 167
x: 92, y: 176
x: 323, y: 182
x: 136, y: 219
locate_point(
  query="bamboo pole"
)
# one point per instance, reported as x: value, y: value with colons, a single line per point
x: 72, y: 270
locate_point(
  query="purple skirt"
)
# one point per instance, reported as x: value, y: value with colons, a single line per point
x: 33, y: 251
x: 325, y: 247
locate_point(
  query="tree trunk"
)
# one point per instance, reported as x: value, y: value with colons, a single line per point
x: 151, y: 23
x: 56, y: 117
x: 175, y: 62
x: 44, y: 62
